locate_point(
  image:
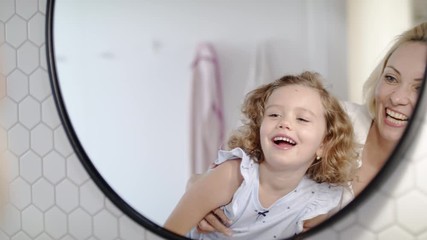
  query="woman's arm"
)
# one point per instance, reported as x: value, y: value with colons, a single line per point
x: 211, y: 190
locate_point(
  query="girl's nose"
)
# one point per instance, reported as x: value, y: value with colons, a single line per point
x: 284, y: 124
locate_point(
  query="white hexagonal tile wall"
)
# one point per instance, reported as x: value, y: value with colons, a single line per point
x: 7, y: 9
x: 55, y: 223
x: 394, y: 232
x: 41, y: 139
x: 377, y: 212
x: 36, y: 28
x: 80, y: 224
x: 2, y: 29
x: 28, y: 57
x: 18, y: 139
x: 32, y: 221
x: 75, y: 170
x: 30, y: 166
x: 21, y: 236
x: 54, y: 167
x: 12, y: 166
x: 29, y: 112
x: 13, y: 223
x: 8, y: 53
x: 411, y: 211
x: 129, y: 230
x: 43, y: 194
x: 357, y: 232
x: 42, y: 6
x: 112, y: 208
x: 61, y: 143
x: 420, y: 175
x: 67, y: 195
x: 16, y: 31
x: 44, y: 236
x: 10, y: 113
x: 39, y: 84
x: 20, y: 193
x: 26, y: 8
x: 17, y: 85
x: 105, y: 225
x: 91, y: 198
x: 49, y: 114
x: 43, y: 61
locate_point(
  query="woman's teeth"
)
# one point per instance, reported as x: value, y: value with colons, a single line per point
x: 396, y: 118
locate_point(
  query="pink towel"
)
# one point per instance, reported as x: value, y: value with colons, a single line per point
x: 207, y: 120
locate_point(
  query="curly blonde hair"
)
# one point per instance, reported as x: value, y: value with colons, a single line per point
x: 338, y: 162
x: 415, y: 34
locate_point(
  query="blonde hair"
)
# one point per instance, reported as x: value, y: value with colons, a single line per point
x: 338, y: 162
x: 415, y: 34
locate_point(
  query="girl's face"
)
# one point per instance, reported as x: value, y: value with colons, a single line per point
x: 293, y: 128
x: 397, y: 89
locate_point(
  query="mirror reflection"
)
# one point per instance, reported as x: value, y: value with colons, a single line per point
x: 127, y: 73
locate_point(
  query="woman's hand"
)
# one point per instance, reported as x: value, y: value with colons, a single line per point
x: 215, y: 221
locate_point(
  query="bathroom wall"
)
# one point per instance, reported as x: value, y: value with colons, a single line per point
x: 52, y: 197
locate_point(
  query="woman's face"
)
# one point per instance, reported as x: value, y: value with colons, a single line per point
x: 397, y: 90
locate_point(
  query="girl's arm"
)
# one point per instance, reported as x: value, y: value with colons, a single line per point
x: 212, y: 190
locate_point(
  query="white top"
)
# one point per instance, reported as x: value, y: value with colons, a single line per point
x: 281, y: 220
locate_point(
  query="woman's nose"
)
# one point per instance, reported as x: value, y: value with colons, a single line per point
x: 400, y: 96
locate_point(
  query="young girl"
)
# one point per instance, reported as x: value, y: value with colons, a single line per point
x: 297, y: 155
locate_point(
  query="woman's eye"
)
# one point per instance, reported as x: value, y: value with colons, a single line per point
x: 390, y: 78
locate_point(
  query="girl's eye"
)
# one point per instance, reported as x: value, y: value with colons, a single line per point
x: 302, y: 120
x: 273, y: 115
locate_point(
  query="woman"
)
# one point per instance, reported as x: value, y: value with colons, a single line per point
x: 391, y: 92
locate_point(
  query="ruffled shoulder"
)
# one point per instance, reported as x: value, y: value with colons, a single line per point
x: 236, y: 153
x: 327, y: 198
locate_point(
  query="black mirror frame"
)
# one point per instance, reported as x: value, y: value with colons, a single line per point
x: 398, y: 153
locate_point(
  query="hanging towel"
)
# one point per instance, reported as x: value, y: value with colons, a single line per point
x: 207, y: 120
x: 260, y: 69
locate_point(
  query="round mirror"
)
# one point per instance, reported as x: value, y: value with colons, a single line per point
x: 123, y: 73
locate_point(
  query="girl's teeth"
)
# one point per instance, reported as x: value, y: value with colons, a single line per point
x: 284, y: 139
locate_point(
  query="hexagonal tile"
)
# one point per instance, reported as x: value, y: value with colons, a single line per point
x: 32, y: 221
x: 28, y: 57
x: 20, y: 193
x: 44, y: 236
x: 43, y: 60
x: 36, y: 29
x: 376, y: 212
x: 49, y: 113
x: 41, y: 139
x: 419, y: 153
x: 2, y: 29
x: 357, y: 232
x: 112, y: 208
x: 42, y: 6
x: 54, y: 167
x: 10, y: 113
x: 105, y: 225
x: 39, y: 84
x: 29, y: 112
x: 61, y: 142
x: 12, y: 166
x: 18, y: 139
x: 43, y: 194
x: 68, y: 237
x: 420, y: 176
x: 17, y: 85
x: 129, y: 230
x: 75, y: 170
x: 13, y: 223
x: 3, y: 141
x: 55, y: 223
x: 91, y: 198
x: 8, y: 53
x: 67, y: 195
x: 31, y: 166
x: 21, y: 236
x: 7, y: 9
x: 16, y: 31
x: 2, y: 81
x: 401, y: 181
x: 151, y: 236
x: 80, y: 224
x: 394, y: 232
x: 26, y: 8
x: 411, y: 209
